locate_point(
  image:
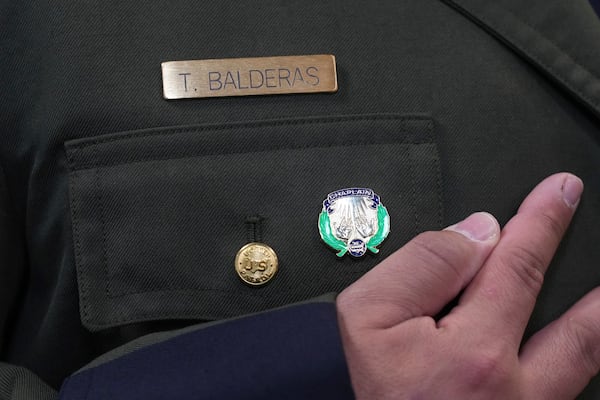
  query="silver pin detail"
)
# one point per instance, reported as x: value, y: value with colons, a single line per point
x: 353, y: 220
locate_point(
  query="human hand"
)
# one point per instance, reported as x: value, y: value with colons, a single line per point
x: 396, y: 350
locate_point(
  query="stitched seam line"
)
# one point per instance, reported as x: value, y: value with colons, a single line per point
x: 248, y: 125
x: 439, y: 191
x: 413, y: 180
x: 594, y: 101
x: 102, y: 230
x: 518, y: 44
x: 229, y: 153
x: 191, y: 289
x: 143, y: 316
x: 287, y: 289
x: 259, y: 124
x: 81, y: 275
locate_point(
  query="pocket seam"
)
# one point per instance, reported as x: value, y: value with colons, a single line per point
x: 271, y: 150
x: 246, y: 125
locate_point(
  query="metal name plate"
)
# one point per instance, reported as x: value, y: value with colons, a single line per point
x: 249, y: 76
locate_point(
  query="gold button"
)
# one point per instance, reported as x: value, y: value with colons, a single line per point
x: 256, y: 263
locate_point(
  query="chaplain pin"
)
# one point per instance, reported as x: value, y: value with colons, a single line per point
x: 353, y: 221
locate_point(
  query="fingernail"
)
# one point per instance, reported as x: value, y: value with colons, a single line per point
x: 479, y: 227
x: 572, y: 188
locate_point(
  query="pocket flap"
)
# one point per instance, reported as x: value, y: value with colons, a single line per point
x: 159, y: 215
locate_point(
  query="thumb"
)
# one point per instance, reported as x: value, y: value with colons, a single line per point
x: 421, y: 277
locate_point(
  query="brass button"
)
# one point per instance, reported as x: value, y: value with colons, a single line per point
x: 256, y: 263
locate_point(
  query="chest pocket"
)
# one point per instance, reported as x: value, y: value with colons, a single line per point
x: 159, y: 215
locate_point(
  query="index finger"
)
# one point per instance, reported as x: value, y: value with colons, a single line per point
x: 501, y: 297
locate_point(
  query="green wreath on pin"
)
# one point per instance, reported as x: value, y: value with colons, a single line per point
x: 383, y: 228
x: 328, y: 237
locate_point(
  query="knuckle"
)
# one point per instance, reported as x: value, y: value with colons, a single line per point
x: 553, y: 224
x: 342, y: 302
x: 358, y: 306
x: 583, y: 336
x: 346, y: 301
x: 348, y: 311
x: 437, y: 253
x: 528, y: 266
x: 485, y: 369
